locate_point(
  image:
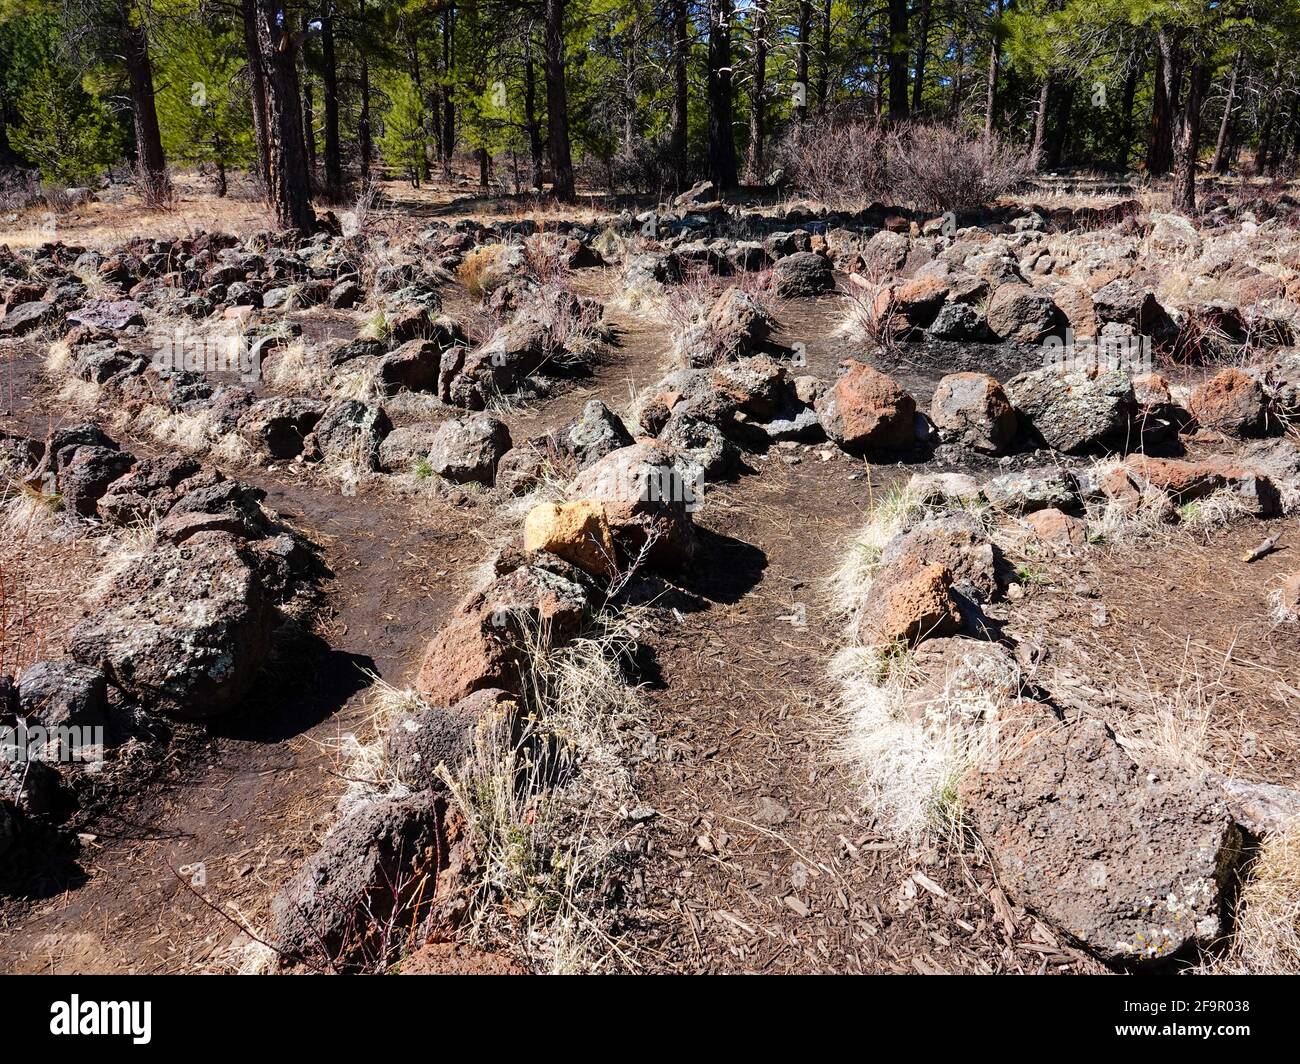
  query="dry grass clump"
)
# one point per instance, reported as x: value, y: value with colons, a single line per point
x: 542, y: 798
x: 1170, y: 724
x: 869, y: 312
x: 483, y: 269
x: 910, y: 758
x: 852, y: 159
x: 1267, y: 938
x: 909, y: 748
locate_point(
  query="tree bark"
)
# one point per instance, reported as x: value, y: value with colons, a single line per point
x: 257, y: 88
x: 448, y: 102
x: 758, y: 99
x: 824, y: 71
x: 1040, y: 124
x: 557, y: 104
x: 290, y: 190
x: 532, y: 122
x: 722, y: 145
x: 154, y: 186
x: 308, y: 114
x: 1135, y: 66
x: 922, y: 47
x: 681, y: 90
x: 330, y: 82
x: 1164, y: 105
x: 1220, y: 163
x: 802, y: 31
x: 364, y: 139
x: 991, y: 95
x: 898, y: 75
x: 1189, y: 132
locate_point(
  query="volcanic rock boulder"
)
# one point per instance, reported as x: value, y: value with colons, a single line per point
x: 1185, y: 481
x: 971, y: 409
x: 278, y: 426
x: 649, y: 491
x: 1076, y: 411
x: 442, y: 735
x: 867, y: 410
x: 538, y: 602
x: 184, y: 630
x: 596, y: 433
x: 805, y: 273
x: 1033, y: 489
x: 956, y: 542
x: 150, y: 489
x: 577, y: 531
x: 1018, y: 312
x: 469, y: 449
x: 57, y: 693
x: 404, y: 447
x: 350, y: 431
x: 735, y: 326
x: 909, y: 600
x: 374, y: 866
x: 86, y: 477
x: 1233, y: 402
x: 1131, y: 862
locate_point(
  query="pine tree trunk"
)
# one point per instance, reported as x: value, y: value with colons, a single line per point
x: 1061, y: 124
x: 898, y: 51
x: 290, y: 190
x: 364, y: 139
x: 722, y: 145
x: 308, y: 119
x: 1164, y: 105
x: 330, y: 80
x: 922, y: 47
x: 1040, y: 124
x: 533, y: 123
x: 257, y: 88
x: 448, y: 103
x: 1126, y: 113
x: 1189, y: 132
x: 758, y: 102
x: 1219, y: 165
x: 557, y: 104
x: 152, y: 164
x: 681, y: 89
x: 801, y: 60
x: 991, y: 95
x: 824, y: 71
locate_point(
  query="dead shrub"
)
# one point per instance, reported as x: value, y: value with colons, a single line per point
x: 941, y: 168
x: 838, y: 159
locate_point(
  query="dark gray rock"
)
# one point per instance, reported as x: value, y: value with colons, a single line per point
x: 1033, y: 489
x: 350, y: 431
x: 468, y: 449
x: 183, y: 632
x: 805, y: 273
x: 1076, y: 411
x: 596, y: 433
x: 55, y: 693
x: 1133, y: 863
x: 372, y: 868
x: 440, y: 735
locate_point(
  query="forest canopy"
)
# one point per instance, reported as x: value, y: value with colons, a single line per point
x: 316, y: 98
